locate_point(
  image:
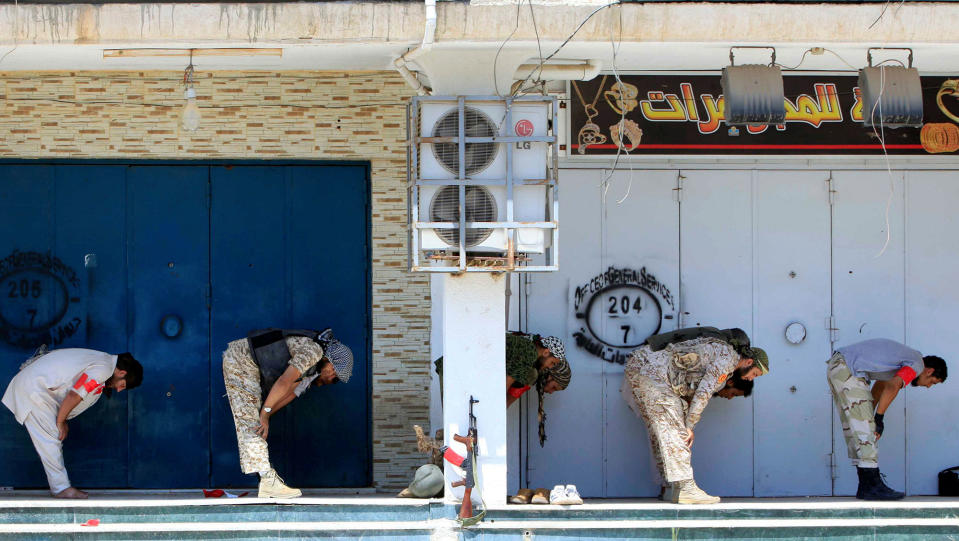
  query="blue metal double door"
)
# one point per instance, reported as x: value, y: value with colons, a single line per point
x: 172, y: 262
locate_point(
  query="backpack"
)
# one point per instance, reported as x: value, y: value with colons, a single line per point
x: 949, y: 482
x: 734, y: 337
x: 271, y: 354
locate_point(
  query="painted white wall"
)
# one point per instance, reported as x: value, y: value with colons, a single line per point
x: 932, y: 308
x: 758, y: 250
x: 869, y: 296
x: 473, y: 326
x: 716, y: 225
x: 436, y: 349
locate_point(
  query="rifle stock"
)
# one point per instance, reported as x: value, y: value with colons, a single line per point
x: 466, y: 510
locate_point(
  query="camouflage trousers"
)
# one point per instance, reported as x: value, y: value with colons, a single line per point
x: 853, y: 400
x: 242, y: 379
x: 664, y: 413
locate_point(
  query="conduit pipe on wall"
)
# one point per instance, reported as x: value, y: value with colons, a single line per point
x: 561, y: 72
x: 429, y: 33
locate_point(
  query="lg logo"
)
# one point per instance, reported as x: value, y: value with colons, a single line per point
x: 523, y: 128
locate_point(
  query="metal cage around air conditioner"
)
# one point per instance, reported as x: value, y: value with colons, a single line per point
x: 482, y: 191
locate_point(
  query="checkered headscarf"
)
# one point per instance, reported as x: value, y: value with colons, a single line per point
x: 339, y: 355
x: 561, y: 374
x: 555, y: 346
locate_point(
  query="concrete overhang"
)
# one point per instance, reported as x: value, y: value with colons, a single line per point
x: 370, y: 35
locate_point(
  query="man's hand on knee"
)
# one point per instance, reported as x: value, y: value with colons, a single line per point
x: 62, y: 426
x: 690, y: 436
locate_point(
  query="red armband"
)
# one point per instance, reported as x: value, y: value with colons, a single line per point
x: 907, y: 374
x: 89, y: 384
x: 452, y: 457
x: 517, y: 392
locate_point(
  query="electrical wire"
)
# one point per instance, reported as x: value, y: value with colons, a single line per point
x: 607, y: 177
x: 883, y: 12
x: 807, y: 51
x: 882, y: 141
x: 834, y: 53
x: 801, y: 60
x: 896, y: 60
x: 16, y: 30
x: 519, y: 4
x: 539, y: 46
x: 571, y: 36
x: 518, y: 87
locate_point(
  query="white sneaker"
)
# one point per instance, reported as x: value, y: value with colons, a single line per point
x: 572, y: 496
x: 557, y: 496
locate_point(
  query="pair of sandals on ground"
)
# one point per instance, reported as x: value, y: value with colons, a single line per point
x: 560, y: 495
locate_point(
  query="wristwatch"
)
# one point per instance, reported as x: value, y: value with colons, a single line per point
x: 268, y: 410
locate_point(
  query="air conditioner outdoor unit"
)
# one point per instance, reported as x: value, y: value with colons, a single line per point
x: 486, y: 163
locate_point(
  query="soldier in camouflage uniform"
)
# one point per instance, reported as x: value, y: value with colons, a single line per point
x: 242, y: 378
x: 670, y: 389
x: 529, y: 359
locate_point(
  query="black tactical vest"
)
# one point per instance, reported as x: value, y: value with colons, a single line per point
x: 734, y: 337
x: 272, y: 356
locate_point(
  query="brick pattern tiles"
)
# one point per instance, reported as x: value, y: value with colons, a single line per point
x: 260, y: 115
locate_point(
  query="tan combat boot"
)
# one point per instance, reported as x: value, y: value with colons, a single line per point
x: 687, y: 492
x: 272, y: 486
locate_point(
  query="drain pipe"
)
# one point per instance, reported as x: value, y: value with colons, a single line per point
x: 561, y: 72
x: 429, y: 33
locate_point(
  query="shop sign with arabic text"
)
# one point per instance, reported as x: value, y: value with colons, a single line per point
x: 683, y: 114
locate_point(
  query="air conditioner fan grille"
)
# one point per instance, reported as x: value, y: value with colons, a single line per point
x: 480, y: 207
x: 479, y: 156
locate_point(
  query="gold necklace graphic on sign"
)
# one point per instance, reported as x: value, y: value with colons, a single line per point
x: 950, y: 87
x: 590, y: 133
x: 939, y: 137
x: 622, y: 97
x: 630, y: 129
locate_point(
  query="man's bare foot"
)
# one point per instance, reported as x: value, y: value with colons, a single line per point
x: 71, y: 494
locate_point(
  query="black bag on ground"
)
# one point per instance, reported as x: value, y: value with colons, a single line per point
x: 949, y: 482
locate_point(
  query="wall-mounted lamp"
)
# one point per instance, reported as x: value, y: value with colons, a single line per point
x: 190, y: 117
x: 891, y: 95
x: 753, y: 93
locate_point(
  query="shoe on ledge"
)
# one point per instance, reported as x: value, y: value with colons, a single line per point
x: 272, y: 486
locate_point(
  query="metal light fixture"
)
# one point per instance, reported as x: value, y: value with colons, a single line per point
x: 891, y: 95
x: 753, y: 93
x: 190, y: 116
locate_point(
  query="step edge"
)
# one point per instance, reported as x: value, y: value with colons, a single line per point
x: 488, y: 525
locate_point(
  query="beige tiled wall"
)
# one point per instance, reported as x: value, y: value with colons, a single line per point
x: 250, y: 116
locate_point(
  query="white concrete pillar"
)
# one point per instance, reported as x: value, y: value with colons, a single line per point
x: 474, y: 326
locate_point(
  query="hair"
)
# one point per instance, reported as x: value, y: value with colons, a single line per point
x: 737, y: 382
x: 134, y: 370
x: 743, y: 385
x: 938, y: 365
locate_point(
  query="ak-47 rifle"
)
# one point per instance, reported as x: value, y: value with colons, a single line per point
x: 468, y: 463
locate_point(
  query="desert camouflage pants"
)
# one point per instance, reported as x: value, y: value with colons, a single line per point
x: 664, y: 413
x: 854, y: 403
x: 242, y: 379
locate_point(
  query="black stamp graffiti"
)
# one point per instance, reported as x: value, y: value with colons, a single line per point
x: 36, y: 293
x: 618, y: 310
